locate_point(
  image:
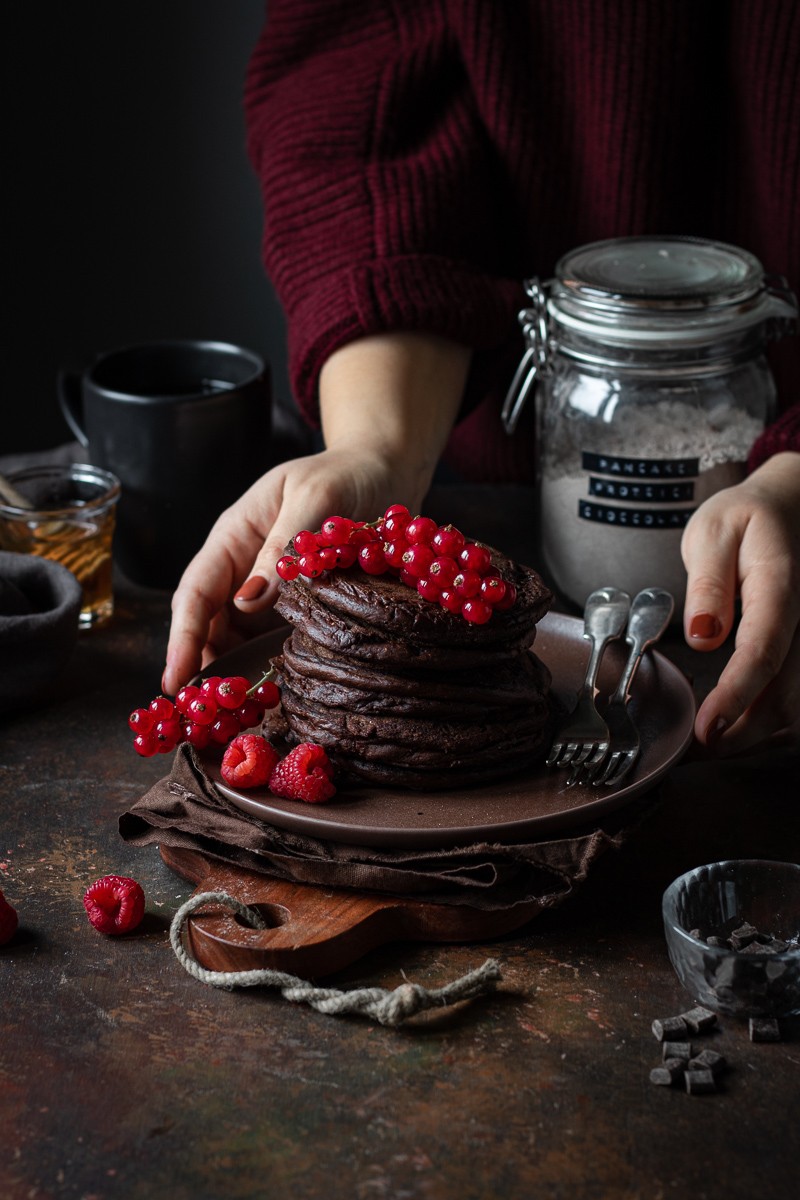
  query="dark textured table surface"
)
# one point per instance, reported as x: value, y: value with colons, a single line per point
x: 125, y: 1077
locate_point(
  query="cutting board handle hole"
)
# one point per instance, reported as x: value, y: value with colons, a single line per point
x: 272, y: 915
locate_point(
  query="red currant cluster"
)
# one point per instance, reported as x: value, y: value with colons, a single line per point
x: 210, y: 713
x: 437, y: 560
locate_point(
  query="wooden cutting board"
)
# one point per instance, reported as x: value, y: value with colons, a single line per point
x: 314, y: 931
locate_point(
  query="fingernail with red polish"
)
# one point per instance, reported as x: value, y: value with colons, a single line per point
x: 252, y: 588
x: 715, y: 731
x: 704, y: 625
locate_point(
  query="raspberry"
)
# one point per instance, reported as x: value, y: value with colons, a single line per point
x: 248, y: 762
x: 306, y: 773
x: 114, y: 904
x: 8, y: 921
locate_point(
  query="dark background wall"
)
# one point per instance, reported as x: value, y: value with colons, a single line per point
x: 134, y: 211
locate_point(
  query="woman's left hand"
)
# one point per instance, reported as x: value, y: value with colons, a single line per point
x: 745, y: 540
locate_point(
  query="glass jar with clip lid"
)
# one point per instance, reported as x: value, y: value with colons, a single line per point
x: 646, y: 356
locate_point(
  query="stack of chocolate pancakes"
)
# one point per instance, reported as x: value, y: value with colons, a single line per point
x: 402, y: 693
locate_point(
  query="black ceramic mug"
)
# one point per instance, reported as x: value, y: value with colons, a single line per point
x: 185, y: 426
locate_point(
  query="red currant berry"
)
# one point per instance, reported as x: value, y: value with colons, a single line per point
x: 443, y: 570
x: 421, y: 531
x: 396, y: 510
x: 224, y: 728
x: 168, y: 733
x: 467, y: 584
x: 249, y: 714
x: 232, y: 692
x: 345, y: 555
x: 362, y: 535
x: 161, y: 708
x: 185, y: 696
x: 427, y: 588
x: 476, y: 611
x: 394, y: 526
x: 328, y: 557
x: 335, y: 531
x: 311, y: 565
x: 288, y: 568
x: 448, y: 541
x: 394, y: 551
x: 208, y: 688
x: 417, y: 560
x: 475, y: 558
x: 141, y: 720
x: 202, y: 710
x: 493, y: 589
x: 451, y: 601
x: 508, y: 600
x: 267, y: 694
x: 197, y: 735
x: 145, y: 744
x: 408, y: 579
x: 305, y: 542
x: 372, y: 559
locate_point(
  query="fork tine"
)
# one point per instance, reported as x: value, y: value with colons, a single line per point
x: 585, y: 771
x: 587, y: 750
x: 612, y: 778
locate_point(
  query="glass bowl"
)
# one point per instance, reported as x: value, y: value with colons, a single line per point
x: 749, y: 978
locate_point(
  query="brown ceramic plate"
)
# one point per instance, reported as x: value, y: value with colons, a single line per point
x: 528, y: 806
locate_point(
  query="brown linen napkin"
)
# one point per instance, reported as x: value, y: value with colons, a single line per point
x: 185, y: 810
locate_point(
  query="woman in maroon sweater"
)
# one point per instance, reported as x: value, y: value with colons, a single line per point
x: 418, y: 160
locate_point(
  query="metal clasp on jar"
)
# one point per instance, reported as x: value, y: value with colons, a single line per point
x: 536, y: 361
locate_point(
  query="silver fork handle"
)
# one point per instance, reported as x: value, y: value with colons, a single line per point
x: 604, y: 617
x: 651, y: 613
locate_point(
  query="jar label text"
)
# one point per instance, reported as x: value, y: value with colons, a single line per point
x: 640, y: 468
x: 634, y: 492
x: 638, y: 518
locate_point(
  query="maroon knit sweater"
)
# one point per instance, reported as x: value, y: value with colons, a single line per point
x: 420, y: 158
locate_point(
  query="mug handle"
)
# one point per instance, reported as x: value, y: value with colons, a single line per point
x: 71, y: 403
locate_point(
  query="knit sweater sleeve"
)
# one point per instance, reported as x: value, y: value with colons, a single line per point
x: 364, y: 136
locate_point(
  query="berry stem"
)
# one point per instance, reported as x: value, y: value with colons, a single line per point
x: 267, y: 677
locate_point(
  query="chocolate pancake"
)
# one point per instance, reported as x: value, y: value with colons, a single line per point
x: 361, y: 687
x: 380, y: 619
x: 402, y: 692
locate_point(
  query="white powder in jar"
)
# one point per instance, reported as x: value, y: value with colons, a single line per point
x: 671, y: 450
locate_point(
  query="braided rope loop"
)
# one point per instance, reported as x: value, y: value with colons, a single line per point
x: 381, y: 1005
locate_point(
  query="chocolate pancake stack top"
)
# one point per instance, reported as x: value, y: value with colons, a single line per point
x: 403, y: 693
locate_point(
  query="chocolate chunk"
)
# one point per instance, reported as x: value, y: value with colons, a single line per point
x: 700, y: 1082
x: 764, y: 1029
x: 695, y: 933
x: 778, y: 945
x: 713, y: 940
x: 743, y: 936
x: 668, y: 1073
x: 708, y: 1060
x: 756, y: 947
x: 670, y: 1029
x: 699, y: 1019
x: 680, y: 1050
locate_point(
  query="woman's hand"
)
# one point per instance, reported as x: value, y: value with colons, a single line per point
x: 746, y: 540
x: 228, y: 589
x: 388, y: 404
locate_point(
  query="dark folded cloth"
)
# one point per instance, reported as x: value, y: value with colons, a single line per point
x: 39, y: 606
x: 185, y: 810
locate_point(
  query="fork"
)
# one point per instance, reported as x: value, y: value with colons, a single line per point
x: 583, y: 737
x: 651, y: 613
